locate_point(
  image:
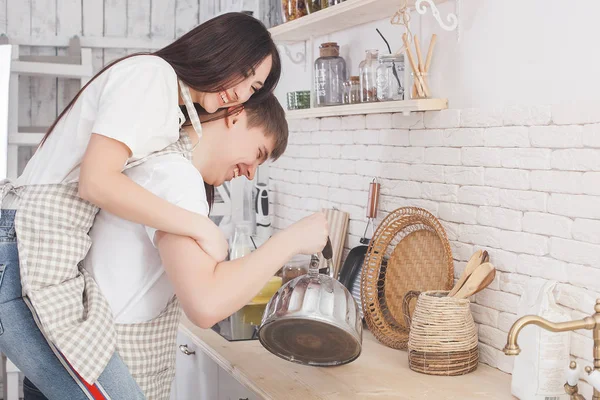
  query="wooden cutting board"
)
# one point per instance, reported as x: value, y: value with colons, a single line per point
x: 338, y: 228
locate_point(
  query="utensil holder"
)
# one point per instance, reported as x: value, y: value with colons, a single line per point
x: 443, y: 338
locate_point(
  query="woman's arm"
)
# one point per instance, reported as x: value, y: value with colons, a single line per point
x: 102, y: 183
x: 210, y: 292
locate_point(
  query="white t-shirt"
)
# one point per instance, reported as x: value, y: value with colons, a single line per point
x: 123, y: 259
x: 136, y: 102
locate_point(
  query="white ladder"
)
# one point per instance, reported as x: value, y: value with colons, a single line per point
x: 78, y: 65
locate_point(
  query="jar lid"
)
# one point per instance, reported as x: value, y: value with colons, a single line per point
x: 354, y: 79
x: 392, y: 57
x: 329, y: 49
x: 329, y: 44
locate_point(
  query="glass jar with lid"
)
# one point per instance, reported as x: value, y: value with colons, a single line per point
x: 293, y: 9
x: 390, y: 77
x: 352, y: 90
x: 368, y: 75
x: 330, y: 74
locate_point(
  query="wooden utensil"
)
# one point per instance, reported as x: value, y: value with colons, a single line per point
x: 486, y: 282
x: 421, y: 67
x: 475, y: 260
x: 413, y: 66
x: 478, y: 280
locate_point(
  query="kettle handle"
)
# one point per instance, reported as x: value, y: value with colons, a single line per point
x: 406, y: 304
x: 327, y: 250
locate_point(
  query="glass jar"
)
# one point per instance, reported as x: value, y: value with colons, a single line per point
x: 390, y: 77
x: 324, y: 4
x: 242, y: 243
x: 330, y: 74
x: 293, y: 9
x: 368, y: 75
x: 334, y: 2
x: 352, y: 90
x: 312, y: 6
x: 298, y: 100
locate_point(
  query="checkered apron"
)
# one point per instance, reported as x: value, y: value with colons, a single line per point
x: 52, y: 224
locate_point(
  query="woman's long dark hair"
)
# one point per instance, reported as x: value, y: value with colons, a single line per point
x: 214, y: 56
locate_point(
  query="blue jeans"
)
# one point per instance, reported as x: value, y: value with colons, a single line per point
x: 48, y: 376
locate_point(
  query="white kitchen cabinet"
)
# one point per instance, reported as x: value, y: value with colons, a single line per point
x: 231, y: 389
x: 196, y: 374
x: 199, y: 377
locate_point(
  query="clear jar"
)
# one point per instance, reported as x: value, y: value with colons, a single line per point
x: 390, y: 77
x: 293, y: 9
x: 368, y: 75
x: 352, y: 90
x: 242, y: 243
x: 312, y: 6
x: 298, y: 100
x: 414, y: 93
x: 330, y: 74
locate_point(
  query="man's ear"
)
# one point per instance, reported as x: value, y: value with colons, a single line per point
x: 233, y: 115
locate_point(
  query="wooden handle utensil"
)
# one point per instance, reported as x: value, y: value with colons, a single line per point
x: 430, y: 52
x: 413, y: 66
x: 479, y: 279
x: 474, y: 262
x: 421, y: 66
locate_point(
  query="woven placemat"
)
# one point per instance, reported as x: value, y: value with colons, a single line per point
x: 409, y: 251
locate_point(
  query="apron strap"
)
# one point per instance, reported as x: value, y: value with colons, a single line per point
x: 191, y: 110
x: 6, y: 186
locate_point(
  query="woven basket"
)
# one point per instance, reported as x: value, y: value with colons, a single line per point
x: 409, y: 251
x: 443, y: 339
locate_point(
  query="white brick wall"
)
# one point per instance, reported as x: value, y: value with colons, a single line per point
x: 521, y: 182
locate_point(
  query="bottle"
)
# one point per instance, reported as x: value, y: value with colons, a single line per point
x: 293, y: 9
x: 352, y: 90
x: 390, y: 75
x: 368, y: 72
x: 242, y: 243
x: 330, y: 74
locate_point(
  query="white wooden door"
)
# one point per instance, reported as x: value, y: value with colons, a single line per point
x: 196, y: 374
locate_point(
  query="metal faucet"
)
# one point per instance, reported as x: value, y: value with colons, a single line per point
x: 591, y: 322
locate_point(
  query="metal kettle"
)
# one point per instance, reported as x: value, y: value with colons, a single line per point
x: 313, y: 320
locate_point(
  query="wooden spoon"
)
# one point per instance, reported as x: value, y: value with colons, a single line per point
x: 483, y: 276
x: 486, y: 282
x: 473, y: 263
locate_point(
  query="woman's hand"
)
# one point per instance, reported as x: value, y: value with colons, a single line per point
x: 210, y: 238
x: 309, y: 235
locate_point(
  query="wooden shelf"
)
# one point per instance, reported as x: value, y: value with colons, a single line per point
x: 342, y: 16
x: 403, y: 106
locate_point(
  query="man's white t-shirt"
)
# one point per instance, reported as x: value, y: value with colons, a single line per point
x: 136, y: 102
x: 123, y: 259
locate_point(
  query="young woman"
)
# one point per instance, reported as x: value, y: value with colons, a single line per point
x: 126, y: 112
x: 140, y: 269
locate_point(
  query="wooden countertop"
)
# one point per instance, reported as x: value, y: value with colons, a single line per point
x: 379, y: 373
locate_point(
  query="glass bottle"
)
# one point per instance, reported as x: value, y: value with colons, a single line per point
x: 352, y: 90
x: 330, y: 74
x: 324, y: 4
x: 312, y: 6
x: 368, y: 74
x: 242, y: 243
x: 293, y: 9
x: 390, y: 77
